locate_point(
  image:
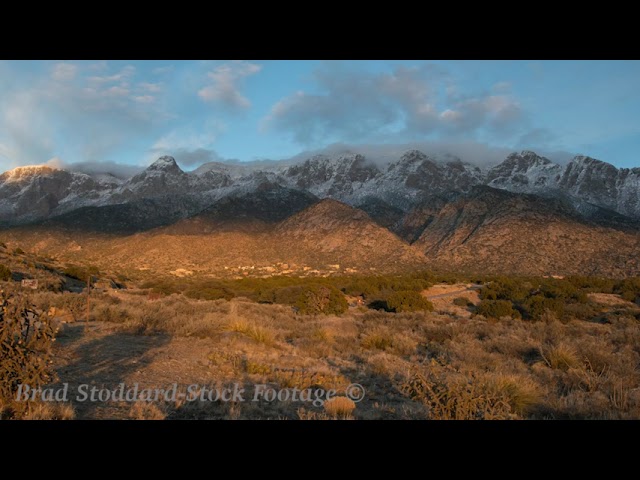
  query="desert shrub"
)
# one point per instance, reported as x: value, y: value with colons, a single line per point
x: 408, y: 301
x: 450, y: 395
x: 592, y: 284
x: 210, y: 293
x: 536, y: 306
x: 18, y: 251
x: 560, y: 357
x: 162, y: 286
x: 629, y: 295
x: 142, y: 410
x: 340, y: 408
x: 285, y: 295
x: 521, y: 394
x: 26, y: 339
x: 324, y: 299
x: 380, y: 285
x: 361, y: 287
x: 628, y: 289
x: 256, y: 332
x: 55, y: 284
x: 497, y: 309
x: 5, y: 273
x: 462, y: 302
x: 379, y: 339
x: 488, y: 293
x: 561, y: 289
x: 73, y: 303
x: 80, y: 273
x: 310, y: 299
x: 48, y: 411
x: 581, y: 311
x: 504, y: 288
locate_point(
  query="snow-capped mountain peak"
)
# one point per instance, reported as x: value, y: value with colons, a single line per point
x: 165, y: 164
x: 38, y: 192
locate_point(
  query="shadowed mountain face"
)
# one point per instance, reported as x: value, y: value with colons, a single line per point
x: 29, y: 194
x: 327, y: 236
x: 128, y: 218
x: 494, y: 230
x: 269, y: 202
x: 524, y: 215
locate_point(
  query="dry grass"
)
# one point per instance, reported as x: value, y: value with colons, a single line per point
x: 340, y: 408
x: 146, y: 411
x: 48, y: 411
x: 561, y: 356
x: 412, y: 365
x: 255, y: 332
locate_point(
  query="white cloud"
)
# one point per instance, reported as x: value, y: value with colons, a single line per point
x: 64, y: 72
x: 122, y: 75
x: 476, y: 153
x: 117, y: 91
x: 502, y: 87
x: 188, y: 145
x: 406, y: 103
x: 150, y: 87
x: 162, y: 70
x: 98, y: 112
x: 144, y: 98
x: 98, y: 66
x: 55, y: 162
x: 224, y: 88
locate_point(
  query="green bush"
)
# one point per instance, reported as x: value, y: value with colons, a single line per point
x: 324, y: 299
x: 592, y: 284
x: 497, y: 309
x: 80, y: 273
x: 562, y: 289
x: 536, y: 306
x: 628, y: 289
x: 5, y: 273
x: 462, y: 302
x: 209, y: 293
x: 408, y: 301
x: 503, y: 288
x: 629, y: 295
x: 310, y: 299
x: 581, y: 311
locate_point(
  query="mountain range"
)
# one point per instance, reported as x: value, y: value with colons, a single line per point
x: 524, y: 215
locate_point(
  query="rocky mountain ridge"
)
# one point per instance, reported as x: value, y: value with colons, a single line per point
x: 29, y: 194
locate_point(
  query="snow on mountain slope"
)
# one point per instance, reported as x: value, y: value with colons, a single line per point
x: 524, y: 172
x: 339, y: 177
x: 38, y: 192
x: 584, y: 181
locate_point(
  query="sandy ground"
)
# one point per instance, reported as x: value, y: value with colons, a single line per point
x: 442, y: 297
x: 609, y: 299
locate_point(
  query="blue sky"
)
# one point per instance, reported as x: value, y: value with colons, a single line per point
x: 131, y: 112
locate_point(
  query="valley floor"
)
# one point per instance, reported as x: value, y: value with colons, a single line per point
x: 429, y: 365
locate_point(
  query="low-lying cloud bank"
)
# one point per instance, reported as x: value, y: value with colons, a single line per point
x: 475, y: 153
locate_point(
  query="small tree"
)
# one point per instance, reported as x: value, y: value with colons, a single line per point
x: 536, y: 306
x: 408, y: 301
x: 324, y: 299
x: 5, y: 273
x: 497, y: 309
